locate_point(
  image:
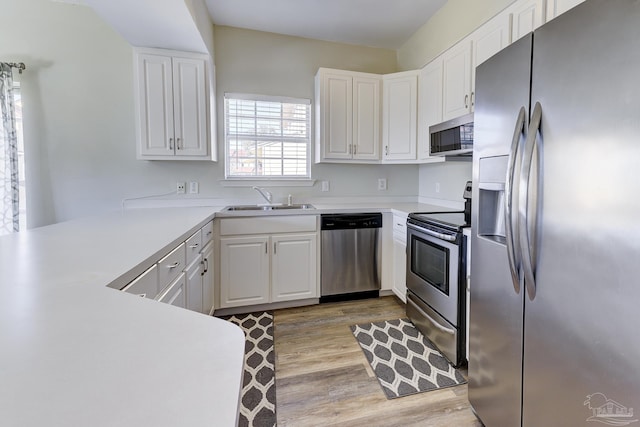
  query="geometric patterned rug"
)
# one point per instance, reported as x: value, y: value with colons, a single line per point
x: 258, y: 402
x: 404, y: 361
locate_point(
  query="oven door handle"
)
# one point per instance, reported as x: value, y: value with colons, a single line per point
x: 442, y: 236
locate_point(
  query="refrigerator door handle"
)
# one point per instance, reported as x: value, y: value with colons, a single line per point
x: 525, y: 174
x: 511, y: 223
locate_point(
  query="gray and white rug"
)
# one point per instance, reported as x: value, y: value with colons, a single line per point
x: 258, y: 402
x: 404, y: 361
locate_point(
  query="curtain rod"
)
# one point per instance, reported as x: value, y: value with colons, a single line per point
x: 19, y: 65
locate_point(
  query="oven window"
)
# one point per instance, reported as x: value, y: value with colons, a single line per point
x: 430, y: 262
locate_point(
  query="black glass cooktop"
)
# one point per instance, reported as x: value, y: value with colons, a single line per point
x: 448, y: 219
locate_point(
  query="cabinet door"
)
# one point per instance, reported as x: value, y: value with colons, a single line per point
x: 194, y: 286
x: 208, y: 302
x: 456, y: 92
x: 190, y: 107
x: 400, y: 269
x: 488, y: 40
x: 558, y: 7
x: 336, y: 115
x: 429, y: 104
x: 244, y: 271
x: 175, y: 294
x: 400, y: 111
x: 527, y: 16
x: 294, y: 266
x: 154, y: 102
x: 366, y: 118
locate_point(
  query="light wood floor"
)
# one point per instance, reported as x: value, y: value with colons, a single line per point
x: 324, y: 379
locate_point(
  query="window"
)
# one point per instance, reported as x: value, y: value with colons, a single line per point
x: 267, y: 137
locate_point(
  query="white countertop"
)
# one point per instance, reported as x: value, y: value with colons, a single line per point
x: 75, y: 352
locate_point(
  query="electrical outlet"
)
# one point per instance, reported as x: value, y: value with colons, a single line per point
x: 382, y: 183
x: 194, y: 188
x: 181, y: 188
x: 325, y: 185
x: 437, y: 187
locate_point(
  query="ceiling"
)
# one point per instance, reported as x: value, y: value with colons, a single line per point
x: 375, y: 23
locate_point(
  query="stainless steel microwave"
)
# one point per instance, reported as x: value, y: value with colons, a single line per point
x: 452, y: 138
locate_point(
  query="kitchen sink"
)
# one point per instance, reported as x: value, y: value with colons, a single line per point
x: 267, y: 207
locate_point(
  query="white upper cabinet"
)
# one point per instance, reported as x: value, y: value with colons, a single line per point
x: 558, y: 7
x: 527, y: 16
x: 459, y: 64
x: 429, y: 105
x: 399, y: 116
x: 456, y: 93
x: 172, y: 104
x: 347, y: 116
x: 366, y: 118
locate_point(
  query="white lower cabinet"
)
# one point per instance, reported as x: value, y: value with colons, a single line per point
x: 400, y: 257
x: 244, y: 271
x: 264, y: 269
x: 207, y: 279
x: 194, y: 285
x: 293, y: 267
x: 280, y: 264
x: 183, y: 277
x: 176, y: 293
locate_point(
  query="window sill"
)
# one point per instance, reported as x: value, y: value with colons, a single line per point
x: 274, y: 182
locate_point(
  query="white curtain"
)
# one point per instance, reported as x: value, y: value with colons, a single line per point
x: 9, y: 195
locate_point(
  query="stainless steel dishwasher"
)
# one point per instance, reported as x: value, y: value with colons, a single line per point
x: 350, y: 256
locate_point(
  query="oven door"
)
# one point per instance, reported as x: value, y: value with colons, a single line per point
x: 432, y: 271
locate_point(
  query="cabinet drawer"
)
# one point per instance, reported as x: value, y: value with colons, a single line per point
x: 171, y: 266
x: 268, y: 225
x: 145, y: 285
x: 193, y: 246
x: 175, y: 294
x: 207, y: 233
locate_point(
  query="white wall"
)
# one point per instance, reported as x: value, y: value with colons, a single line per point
x: 79, y: 110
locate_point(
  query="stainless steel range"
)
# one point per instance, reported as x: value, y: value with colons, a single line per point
x: 436, y: 297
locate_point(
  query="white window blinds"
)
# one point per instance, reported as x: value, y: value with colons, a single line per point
x: 267, y: 137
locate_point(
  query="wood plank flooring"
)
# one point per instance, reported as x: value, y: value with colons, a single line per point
x: 324, y: 379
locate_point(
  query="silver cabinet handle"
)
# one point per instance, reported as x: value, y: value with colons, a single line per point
x: 170, y: 143
x: 466, y: 101
x: 193, y: 246
x: 511, y: 224
x: 209, y: 233
x: 174, y: 265
x: 205, y: 263
x: 355, y: 150
x: 178, y: 144
x: 274, y: 248
x: 350, y: 149
x: 386, y: 150
x: 266, y: 247
x: 473, y: 99
x: 526, y: 243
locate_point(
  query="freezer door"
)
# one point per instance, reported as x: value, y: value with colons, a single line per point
x: 581, y: 348
x: 496, y: 308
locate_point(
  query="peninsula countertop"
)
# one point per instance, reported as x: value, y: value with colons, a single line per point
x: 78, y: 353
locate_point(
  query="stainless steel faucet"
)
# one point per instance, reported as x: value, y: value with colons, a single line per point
x: 264, y: 193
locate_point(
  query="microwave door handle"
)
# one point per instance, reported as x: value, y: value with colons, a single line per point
x: 511, y: 224
x: 527, y: 244
x: 432, y: 233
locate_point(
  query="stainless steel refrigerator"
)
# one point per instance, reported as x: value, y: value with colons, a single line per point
x: 555, y: 277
